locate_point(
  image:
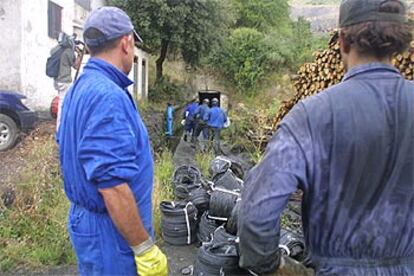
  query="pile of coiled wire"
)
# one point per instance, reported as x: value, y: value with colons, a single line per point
x: 178, y: 222
x: 222, y: 203
x: 200, y: 197
x: 186, y: 180
x: 218, y: 259
x: 220, y: 235
x: 228, y: 180
x: 222, y: 164
x: 206, y: 228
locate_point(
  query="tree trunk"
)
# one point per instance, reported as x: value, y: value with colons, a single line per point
x: 161, y: 59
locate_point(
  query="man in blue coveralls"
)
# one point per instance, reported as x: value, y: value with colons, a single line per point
x: 201, y: 117
x: 169, y: 114
x: 216, y: 120
x: 106, y: 158
x: 351, y: 150
x: 189, y: 113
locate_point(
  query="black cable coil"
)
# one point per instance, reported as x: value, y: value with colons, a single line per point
x: 183, y: 191
x: 231, y: 225
x: 187, y: 174
x: 178, y: 222
x: 206, y: 228
x: 222, y: 202
x: 186, y: 180
x: 215, y: 259
x: 200, y: 198
x: 292, y: 245
x: 220, y: 235
x: 221, y: 164
x: 228, y: 180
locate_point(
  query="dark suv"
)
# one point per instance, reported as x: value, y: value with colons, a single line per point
x: 14, y: 117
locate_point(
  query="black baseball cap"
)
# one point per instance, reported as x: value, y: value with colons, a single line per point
x: 112, y: 22
x: 353, y: 12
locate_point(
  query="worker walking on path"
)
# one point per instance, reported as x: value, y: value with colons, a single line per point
x: 106, y: 158
x: 216, y: 120
x: 351, y: 150
x: 201, y: 118
x: 189, y: 124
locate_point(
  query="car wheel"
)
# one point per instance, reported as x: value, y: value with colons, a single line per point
x: 8, y: 132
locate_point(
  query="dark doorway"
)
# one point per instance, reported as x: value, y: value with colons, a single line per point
x: 209, y: 94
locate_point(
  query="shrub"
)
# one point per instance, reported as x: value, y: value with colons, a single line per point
x: 242, y: 59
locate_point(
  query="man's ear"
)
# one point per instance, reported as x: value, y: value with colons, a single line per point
x: 345, y: 46
x: 125, y: 44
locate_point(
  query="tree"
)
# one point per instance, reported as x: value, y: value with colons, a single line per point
x: 242, y: 59
x: 261, y: 14
x: 190, y: 27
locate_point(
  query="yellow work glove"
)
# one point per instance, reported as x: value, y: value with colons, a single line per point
x: 150, y: 260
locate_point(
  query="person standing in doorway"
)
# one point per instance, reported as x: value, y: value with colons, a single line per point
x: 350, y: 149
x: 106, y: 158
x: 216, y: 120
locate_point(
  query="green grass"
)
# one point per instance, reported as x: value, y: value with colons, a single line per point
x: 33, y: 231
x: 203, y: 161
x: 163, y: 188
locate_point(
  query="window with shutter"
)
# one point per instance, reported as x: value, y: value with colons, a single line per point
x: 54, y: 16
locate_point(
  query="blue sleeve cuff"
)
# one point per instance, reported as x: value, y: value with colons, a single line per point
x: 111, y: 183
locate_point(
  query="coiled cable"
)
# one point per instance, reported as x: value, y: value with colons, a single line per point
x: 228, y: 180
x: 200, y: 198
x: 231, y: 225
x: 222, y: 202
x: 178, y: 222
x: 218, y: 259
x: 206, y: 228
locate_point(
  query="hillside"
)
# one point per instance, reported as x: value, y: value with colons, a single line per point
x: 323, y: 14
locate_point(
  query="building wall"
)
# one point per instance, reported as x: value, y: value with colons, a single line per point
x: 27, y: 47
x: 140, y: 75
x: 35, y: 49
x: 10, y: 26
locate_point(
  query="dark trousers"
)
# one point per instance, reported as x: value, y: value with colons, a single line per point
x: 215, y: 137
x: 200, y: 128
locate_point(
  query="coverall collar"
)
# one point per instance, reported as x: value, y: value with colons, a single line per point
x: 369, y: 67
x: 113, y: 73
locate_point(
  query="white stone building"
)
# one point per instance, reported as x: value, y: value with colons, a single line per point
x: 29, y: 30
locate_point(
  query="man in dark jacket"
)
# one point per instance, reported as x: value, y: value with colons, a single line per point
x: 351, y: 150
x: 216, y: 120
x: 201, y: 117
x: 189, y: 119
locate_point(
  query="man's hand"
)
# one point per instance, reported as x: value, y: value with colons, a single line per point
x: 150, y: 260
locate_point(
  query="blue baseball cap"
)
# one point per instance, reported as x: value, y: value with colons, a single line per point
x: 112, y: 22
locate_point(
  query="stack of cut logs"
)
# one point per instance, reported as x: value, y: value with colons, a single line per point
x: 328, y: 70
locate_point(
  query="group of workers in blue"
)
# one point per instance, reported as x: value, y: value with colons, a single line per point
x: 201, y: 119
x: 350, y: 149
